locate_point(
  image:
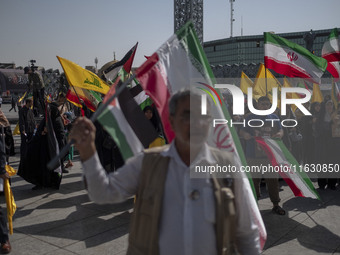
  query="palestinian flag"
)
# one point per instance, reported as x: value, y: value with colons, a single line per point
x: 137, y: 92
x: 291, y: 59
x: 331, y: 48
x: 126, y: 123
x: 279, y: 155
x: 112, y: 71
x: 181, y: 63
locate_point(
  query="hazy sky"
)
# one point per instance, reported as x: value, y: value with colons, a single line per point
x: 81, y: 30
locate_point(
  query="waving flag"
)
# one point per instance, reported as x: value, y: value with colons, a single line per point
x: 334, y: 69
x: 264, y: 83
x: 245, y: 83
x: 286, y: 84
x: 335, y: 94
x: 10, y: 203
x: 279, y: 155
x: 317, y: 95
x: 331, y: 48
x: 291, y: 59
x: 126, y: 123
x: 82, y: 78
x: 112, y: 71
x: 180, y: 62
x: 90, y: 98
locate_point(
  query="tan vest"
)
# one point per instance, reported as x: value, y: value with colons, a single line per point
x: 144, y: 228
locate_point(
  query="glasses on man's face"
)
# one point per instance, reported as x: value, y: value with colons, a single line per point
x: 200, y: 119
x: 265, y: 104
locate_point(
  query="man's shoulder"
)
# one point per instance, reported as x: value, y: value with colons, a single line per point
x: 221, y: 155
x: 272, y: 116
x: 156, y: 150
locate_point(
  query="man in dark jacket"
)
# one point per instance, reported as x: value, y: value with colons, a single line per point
x: 37, y: 86
x: 26, y: 123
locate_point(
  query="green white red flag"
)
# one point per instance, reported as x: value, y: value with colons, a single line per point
x: 125, y: 63
x: 291, y: 59
x: 181, y: 62
x: 334, y: 69
x: 296, y: 178
x: 331, y: 48
x: 126, y: 123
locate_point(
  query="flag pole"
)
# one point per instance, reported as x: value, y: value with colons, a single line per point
x: 264, y: 63
x: 265, y: 77
x: 54, y: 162
x: 75, y: 93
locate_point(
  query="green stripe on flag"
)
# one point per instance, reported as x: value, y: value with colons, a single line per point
x: 188, y: 35
x: 270, y: 38
x: 302, y: 174
x: 111, y: 125
x: 334, y: 34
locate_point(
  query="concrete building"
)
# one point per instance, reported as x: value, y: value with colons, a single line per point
x: 229, y: 57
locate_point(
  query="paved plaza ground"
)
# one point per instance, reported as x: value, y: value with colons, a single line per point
x: 65, y: 222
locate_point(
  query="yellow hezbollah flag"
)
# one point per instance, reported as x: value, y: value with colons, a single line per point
x: 16, y: 130
x: 82, y: 78
x: 286, y: 84
x: 11, y: 206
x: 22, y: 98
x: 317, y: 95
x: 335, y: 94
x: 263, y: 89
x: 245, y: 83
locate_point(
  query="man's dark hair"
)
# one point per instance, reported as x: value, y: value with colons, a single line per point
x: 26, y: 69
x: 28, y: 100
x: 175, y: 98
x: 263, y: 98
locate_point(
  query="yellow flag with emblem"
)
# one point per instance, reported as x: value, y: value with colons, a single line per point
x: 245, y: 83
x: 11, y: 206
x: 317, y: 95
x: 264, y: 83
x: 16, y: 130
x: 82, y: 78
x: 286, y: 84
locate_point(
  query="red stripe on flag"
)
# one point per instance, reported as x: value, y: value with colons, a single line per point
x: 333, y: 71
x: 154, y: 85
x: 273, y: 161
x: 332, y: 57
x: 72, y: 97
x: 286, y: 69
x: 128, y: 64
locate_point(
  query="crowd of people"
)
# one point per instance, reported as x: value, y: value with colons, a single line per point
x: 315, y: 140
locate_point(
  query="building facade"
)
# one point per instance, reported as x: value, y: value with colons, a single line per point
x: 229, y: 57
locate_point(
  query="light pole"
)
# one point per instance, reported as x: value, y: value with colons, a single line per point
x: 96, y: 62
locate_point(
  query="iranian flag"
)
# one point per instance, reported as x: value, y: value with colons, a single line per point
x: 279, y: 155
x: 126, y: 123
x: 291, y: 59
x: 331, y: 48
x: 334, y: 69
x: 181, y: 63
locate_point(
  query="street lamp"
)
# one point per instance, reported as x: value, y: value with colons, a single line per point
x: 96, y: 61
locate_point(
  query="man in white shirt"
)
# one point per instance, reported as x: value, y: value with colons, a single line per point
x: 186, y: 219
